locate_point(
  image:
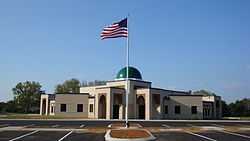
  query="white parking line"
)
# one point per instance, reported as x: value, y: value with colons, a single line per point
x: 222, y: 126
x: 30, y: 133
x: 167, y: 126
x: 28, y: 125
x: 65, y: 136
x: 139, y: 125
x: 190, y: 125
x: 198, y: 135
x: 81, y: 126
x: 236, y: 134
x: 54, y: 126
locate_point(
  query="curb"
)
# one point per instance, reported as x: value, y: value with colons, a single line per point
x: 109, y: 138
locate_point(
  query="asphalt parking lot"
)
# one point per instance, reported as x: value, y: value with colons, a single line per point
x: 49, y: 136
x: 51, y: 130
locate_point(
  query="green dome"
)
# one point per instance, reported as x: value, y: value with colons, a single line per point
x: 132, y: 73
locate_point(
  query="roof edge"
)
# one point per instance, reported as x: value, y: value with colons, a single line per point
x: 138, y: 80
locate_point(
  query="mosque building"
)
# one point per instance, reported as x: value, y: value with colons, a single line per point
x: 144, y: 101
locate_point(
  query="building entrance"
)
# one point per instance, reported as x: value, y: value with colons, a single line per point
x: 141, y: 107
x: 116, y: 111
x: 141, y: 112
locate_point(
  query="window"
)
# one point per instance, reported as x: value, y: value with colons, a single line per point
x: 91, y: 107
x: 79, y: 107
x: 177, y: 109
x: 63, y: 108
x: 194, y: 109
x: 166, y: 109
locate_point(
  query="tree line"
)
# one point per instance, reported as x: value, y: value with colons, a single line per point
x: 27, y: 95
x: 239, y: 108
x: 27, y: 98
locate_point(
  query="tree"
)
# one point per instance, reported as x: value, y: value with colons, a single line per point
x: 27, y: 95
x: 240, y: 107
x: 2, y: 107
x: 226, y: 111
x: 204, y: 92
x: 69, y: 86
x: 13, y: 107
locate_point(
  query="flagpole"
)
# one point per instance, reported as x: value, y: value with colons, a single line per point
x: 127, y: 72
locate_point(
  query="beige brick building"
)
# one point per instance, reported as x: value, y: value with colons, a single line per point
x: 145, y: 102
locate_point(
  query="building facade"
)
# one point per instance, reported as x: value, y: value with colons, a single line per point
x: 144, y: 101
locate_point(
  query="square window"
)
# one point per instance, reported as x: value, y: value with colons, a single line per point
x: 63, y: 108
x: 79, y: 107
x: 194, y: 109
x: 177, y: 109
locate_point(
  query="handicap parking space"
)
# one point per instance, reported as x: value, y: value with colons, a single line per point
x: 8, y: 135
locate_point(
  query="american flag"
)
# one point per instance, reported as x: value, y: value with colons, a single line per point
x: 116, y: 30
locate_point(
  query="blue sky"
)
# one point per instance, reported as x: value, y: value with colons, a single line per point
x: 177, y: 44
